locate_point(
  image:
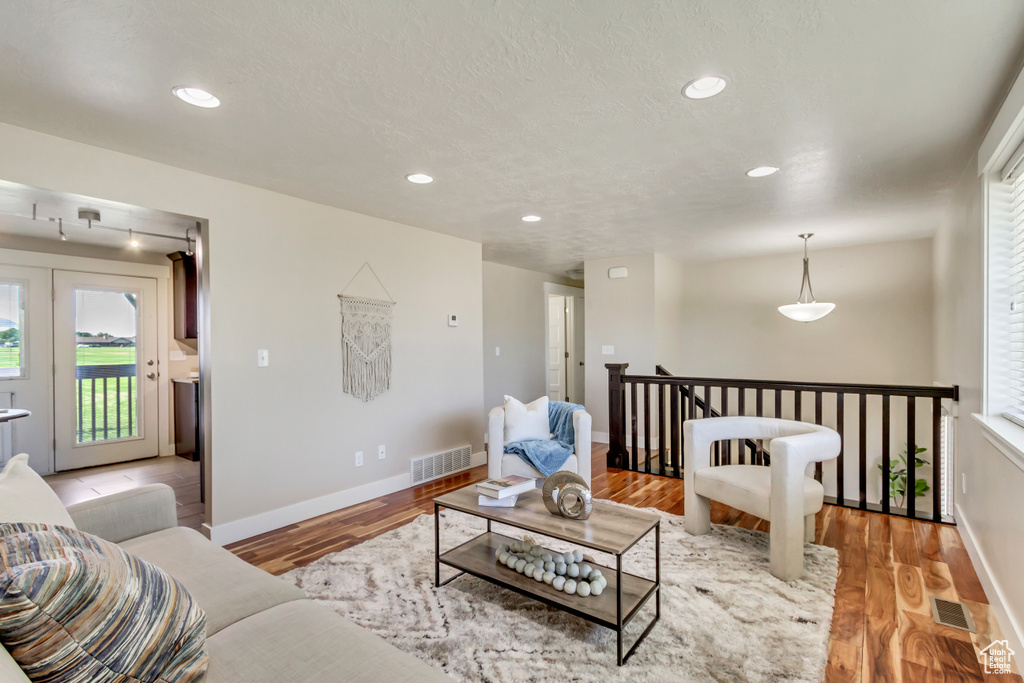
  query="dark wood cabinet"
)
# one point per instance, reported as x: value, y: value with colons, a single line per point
x: 187, y: 442
x: 186, y: 295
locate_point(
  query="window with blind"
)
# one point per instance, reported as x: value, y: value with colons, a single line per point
x: 1006, y: 290
x: 12, y: 325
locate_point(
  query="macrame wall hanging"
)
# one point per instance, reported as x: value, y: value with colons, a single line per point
x: 366, y: 342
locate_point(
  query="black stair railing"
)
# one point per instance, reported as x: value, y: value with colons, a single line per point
x: 886, y: 423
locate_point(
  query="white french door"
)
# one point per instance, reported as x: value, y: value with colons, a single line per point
x: 105, y: 370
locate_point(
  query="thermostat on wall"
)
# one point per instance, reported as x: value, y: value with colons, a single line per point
x: 453, y: 320
x: 617, y: 273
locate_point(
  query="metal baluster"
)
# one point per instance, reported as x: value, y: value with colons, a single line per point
x: 647, y: 425
x: 634, y: 458
x: 911, y: 489
x: 863, y: 447
x: 937, y: 456
x: 886, y: 456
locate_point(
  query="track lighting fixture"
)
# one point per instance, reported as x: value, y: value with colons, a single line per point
x: 131, y: 238
x: 188, y: 242
x: 60, y: 230
x: 89, y: 216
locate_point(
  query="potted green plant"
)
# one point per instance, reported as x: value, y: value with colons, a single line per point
x: 898, y: 476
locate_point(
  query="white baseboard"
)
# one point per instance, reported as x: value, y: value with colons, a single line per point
x: 1010, y: 628
x: 222, y: 534
x: 599, y: 437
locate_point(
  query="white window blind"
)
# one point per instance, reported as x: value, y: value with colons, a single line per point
x: 1013, y: 267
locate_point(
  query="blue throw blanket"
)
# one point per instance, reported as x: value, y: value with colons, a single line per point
x: 548, y: 455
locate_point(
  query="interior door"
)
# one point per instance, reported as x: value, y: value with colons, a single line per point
x: 577, y: 353
x: 26, y: 363
x: 556, y: 348
x: 105, y: 371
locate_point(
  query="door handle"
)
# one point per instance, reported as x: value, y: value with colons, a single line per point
x: 581, y: 363
x: 151, y: 375
x: 149, y: 362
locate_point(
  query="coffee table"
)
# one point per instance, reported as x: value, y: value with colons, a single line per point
x: 611, y: 529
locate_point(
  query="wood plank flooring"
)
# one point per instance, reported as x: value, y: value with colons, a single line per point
x: 882, y: 629
x: 180, y: 474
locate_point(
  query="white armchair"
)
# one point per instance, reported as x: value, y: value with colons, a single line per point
x: 780, y: 493
x: 502, y: 464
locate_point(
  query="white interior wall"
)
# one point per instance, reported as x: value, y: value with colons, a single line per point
x: 990, y: 514
x: 621, y: 314
x: 670, y: 312
x: 514, y: 320
x: 284, y: 436
x: 879, y: 332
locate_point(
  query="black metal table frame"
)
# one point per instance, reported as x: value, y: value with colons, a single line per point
x: 620, y: 622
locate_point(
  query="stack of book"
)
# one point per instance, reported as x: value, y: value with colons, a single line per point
x: 503, y: 493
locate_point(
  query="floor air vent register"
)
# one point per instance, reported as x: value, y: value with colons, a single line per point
x: 955, y: 614
x: 440, y: 464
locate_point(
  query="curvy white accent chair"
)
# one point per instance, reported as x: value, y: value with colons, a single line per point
x: 501, y: 464
x: 780, y: 493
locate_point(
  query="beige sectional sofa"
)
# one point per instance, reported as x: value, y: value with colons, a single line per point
x: 260, y: 628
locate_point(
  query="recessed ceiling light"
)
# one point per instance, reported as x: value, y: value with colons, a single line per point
x: 762, y: 171
x: 531, y: 218
x: 199, y: 98
x: 702, y: 88
x: 419, y: 178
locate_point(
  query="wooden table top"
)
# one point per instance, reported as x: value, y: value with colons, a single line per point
x: 611, y: 528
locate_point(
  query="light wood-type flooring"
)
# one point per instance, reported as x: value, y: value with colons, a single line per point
x: 882, y: 629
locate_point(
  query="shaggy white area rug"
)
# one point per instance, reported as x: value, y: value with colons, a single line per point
x: 724, y: 617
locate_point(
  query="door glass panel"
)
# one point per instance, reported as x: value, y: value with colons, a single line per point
x: 106, y: 386
x: 12, y: 322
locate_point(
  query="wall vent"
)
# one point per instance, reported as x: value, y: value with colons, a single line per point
x: 949, y: 613
x: 441, y: 464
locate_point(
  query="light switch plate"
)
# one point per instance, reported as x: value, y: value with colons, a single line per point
x: 497, y: 350
x: 380, y: 452
x: 453, y: 320
x: 177, y: 355
x: 607, y: 350
x: 359, y: 458
x: 262, y: 358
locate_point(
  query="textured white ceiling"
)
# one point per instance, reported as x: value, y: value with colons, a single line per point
x: 570, y: 110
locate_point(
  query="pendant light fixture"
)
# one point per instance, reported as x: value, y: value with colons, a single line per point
x: 806, y: 308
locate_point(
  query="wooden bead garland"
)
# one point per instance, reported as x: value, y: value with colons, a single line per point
x: 565, y: 572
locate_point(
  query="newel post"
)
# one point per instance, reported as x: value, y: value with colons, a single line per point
x: 616, y: 414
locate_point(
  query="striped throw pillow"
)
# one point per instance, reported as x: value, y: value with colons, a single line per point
x: 75, y: 609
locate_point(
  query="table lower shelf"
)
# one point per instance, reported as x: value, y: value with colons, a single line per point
x: 476, y: 557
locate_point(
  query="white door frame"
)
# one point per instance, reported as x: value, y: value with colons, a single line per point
x: 162, y: 275
x: 572, y: 367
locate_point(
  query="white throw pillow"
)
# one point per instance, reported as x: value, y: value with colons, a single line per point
x: 528, y: 421
x: 25, y: 497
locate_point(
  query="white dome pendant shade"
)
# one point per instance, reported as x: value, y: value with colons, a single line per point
x: 806, y: 309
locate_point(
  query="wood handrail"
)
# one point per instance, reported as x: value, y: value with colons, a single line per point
x: 917, y: 391
x: 678, y: 400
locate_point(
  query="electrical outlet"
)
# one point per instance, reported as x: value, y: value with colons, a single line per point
x: 380, y: 452
x: 359, y: 458
x: 963, y: 483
